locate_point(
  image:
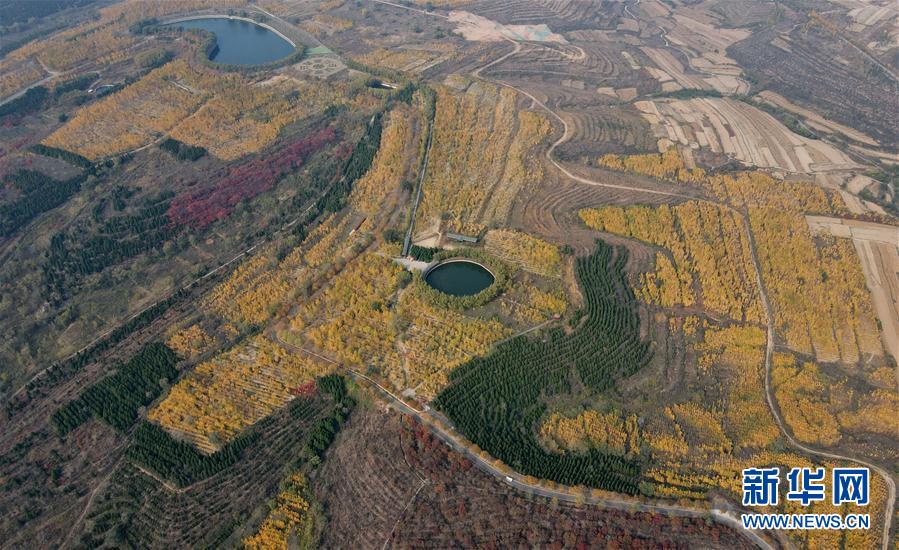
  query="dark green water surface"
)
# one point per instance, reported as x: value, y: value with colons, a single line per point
x: 459, y: 278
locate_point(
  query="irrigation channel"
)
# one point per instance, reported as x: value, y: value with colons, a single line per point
x: 407, y: 242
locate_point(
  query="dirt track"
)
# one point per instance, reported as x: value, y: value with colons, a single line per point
x: 769, y: 313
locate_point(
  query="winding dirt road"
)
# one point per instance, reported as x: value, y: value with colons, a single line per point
x: 769, y: 312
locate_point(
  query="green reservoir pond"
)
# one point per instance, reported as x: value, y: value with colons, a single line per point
x: 241, y: 42
x: 459, y: 277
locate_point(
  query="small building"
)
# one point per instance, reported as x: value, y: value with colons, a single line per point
x: 461, y: 238
x: 357, y: 225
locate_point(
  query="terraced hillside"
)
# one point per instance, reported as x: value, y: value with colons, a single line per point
x: 221, y: 300
x: 496, y: 400
x: 414, y: 492
x: 826, y: 75
x: 563, y: 15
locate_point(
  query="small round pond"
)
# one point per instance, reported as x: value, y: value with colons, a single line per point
x: 459, y: 277
x: 241, y: 42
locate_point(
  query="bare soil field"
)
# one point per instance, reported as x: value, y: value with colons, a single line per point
x: 480, y: 29
x: 599, y: 130
x: 816, y: 121
x: 695, y: 44
x: 815, y: 71
x: 560, y: 15
x: 742, y: 132
x: 551, y: 211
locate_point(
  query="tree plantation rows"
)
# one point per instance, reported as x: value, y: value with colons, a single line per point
x: 221, y: 397
x: 707, y: 244
x: 225, y: 245
x: 182, y: 463
x: 479, y: 158
x: 463, y: 507
x: 96, y: 251
x: 198, y: 209
x: 365, y: 322
x: 223, y: 113
x: 182, y: 151
x: 117, y: 398
x: 76, y: 84
x: 817, y: 287
x: 135, y: 510
x: 355, y: 166
x: 388, y: 171
x: 74, y: 255
x: 423, y: 253
x: 326, y: 429
x: 520, y: 248
x: 68, y: 156
x: 63, y: 369
x: 30, y: 101
x: 496, y: 401
x: 36, y: 98
x: 289, y: 513
x: 38, y: 193
x: 17, y: 13
x: 288, y: 517
x: 15, y: 76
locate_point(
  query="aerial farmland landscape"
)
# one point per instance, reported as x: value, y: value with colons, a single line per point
x: 374, y: 274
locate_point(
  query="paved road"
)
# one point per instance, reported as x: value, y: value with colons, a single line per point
x: 21, y: 92
x: 769, y: 314
x: 443, y: 429
x: 51, y: 74
x: 769, y: 349
x: 410, y: 8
